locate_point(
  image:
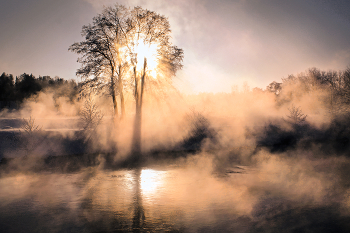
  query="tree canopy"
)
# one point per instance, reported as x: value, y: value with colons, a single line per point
x: 122, y: 48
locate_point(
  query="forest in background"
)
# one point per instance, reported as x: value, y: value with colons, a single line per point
x: 13, y: 91
x: 336, y: 85
x: 308, y: 111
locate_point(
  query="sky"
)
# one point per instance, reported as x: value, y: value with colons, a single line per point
x: 225, y: 42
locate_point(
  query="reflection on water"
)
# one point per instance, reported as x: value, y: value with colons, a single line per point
x: 126, y: 200
x: 150, y: 200
x: 139, y: 214
x: 151, y: 181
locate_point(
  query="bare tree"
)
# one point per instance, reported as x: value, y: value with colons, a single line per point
x: 153, y: 57
x: 90, y: 115
x: 103, y: 59
x: 128, y: 46
x: 29, y: 126
x: 295, y: 115
x: 274, y: 87
x: 31, y: 137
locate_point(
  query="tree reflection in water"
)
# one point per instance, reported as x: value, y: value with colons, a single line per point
x: 139, y: 213
x: 165, y: 199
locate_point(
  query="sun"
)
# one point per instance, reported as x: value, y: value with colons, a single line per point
x: 147, y: 52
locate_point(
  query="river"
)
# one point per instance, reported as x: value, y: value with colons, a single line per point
x: 155, y: 199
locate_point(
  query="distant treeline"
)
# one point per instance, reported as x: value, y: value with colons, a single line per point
x: 14, y: 90
x: 334, y: 84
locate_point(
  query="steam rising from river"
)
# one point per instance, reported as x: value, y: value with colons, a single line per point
x: 235, y: 179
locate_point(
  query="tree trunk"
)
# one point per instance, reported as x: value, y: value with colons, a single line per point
x: 120, y: 88
x: 136, y: 150
x: 122, y: 105
x: 115, y: 103
x: 139, y: 87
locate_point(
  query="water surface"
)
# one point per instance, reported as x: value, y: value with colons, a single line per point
x: 155, y: 199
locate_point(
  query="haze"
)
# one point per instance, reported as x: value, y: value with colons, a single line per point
x: 124, y: 151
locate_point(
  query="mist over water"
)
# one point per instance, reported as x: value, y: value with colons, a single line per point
x: 227, y: 162
x: 182, y: 198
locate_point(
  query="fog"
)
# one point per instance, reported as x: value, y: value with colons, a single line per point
x: 238, y: 161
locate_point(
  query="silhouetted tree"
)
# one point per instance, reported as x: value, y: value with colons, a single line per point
x: 335, y: 84
x: 149, y: 41
x: 274, y: 87
x: 104, y: 60
x: 123, y: 45
x: 296, y: 116
x: 13, y: 93
x: 6, y: 89
x: 26, y: 85
x: 31, y: 136
x: 90, y: 115
x: 343, y: 90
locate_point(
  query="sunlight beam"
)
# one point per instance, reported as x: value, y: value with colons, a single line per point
x: 148, y: 51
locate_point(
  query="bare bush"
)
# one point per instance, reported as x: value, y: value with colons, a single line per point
x: 31, y: 137
x: 295, y: 115
x: 90, y: 115
x: 29, y: 126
